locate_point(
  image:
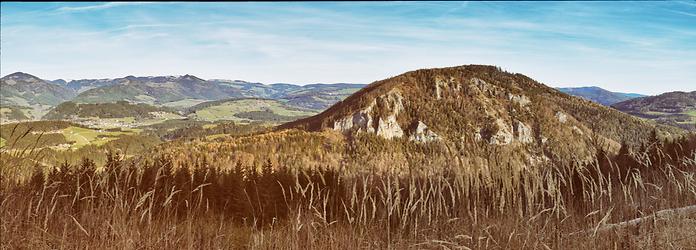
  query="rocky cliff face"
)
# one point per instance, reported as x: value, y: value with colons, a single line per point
x: 480, y: 106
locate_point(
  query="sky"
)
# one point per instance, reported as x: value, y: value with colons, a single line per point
x: 641, y: 47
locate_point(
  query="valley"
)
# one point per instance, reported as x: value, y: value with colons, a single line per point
x: 498, y: 158
x: 673, y: 108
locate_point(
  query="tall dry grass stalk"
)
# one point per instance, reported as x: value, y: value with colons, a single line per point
x: 154, y: 204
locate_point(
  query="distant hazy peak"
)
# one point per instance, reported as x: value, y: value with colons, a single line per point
x: 20, y: 76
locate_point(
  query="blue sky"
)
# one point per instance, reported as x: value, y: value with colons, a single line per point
x: 644, y: 47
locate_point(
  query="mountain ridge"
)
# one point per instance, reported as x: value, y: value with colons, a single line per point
x: 24, y: 89
x: 677, y: 108
x: 480, y: 105
x: 599, y: 95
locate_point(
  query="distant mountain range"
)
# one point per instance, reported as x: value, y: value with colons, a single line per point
x: 25, y: 96
x: 672, y: 108
x: 599, y: 95
x: 157, y: 90
x: 83, y: 85
x: 21, y: 89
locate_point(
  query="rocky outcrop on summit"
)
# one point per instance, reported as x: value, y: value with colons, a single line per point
x: 478, y: 106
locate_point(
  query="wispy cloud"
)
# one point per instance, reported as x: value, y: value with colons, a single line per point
x: 684, y: 13
x: 622, y: 47
x: 100, y: 6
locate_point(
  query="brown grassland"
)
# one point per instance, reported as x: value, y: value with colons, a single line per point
x: 186, y: 196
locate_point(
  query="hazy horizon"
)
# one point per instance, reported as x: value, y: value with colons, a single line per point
x: 645, y: 48
x: 300, y: 84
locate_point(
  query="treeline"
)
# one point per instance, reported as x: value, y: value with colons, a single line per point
x: 14, y: 113
x: 190, y: 129
x: 118, y: 109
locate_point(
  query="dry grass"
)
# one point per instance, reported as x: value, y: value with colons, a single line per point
x: 152, y: 204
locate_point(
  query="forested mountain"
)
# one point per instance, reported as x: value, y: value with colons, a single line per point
x: 83, y: 85
x: 26, y: 90
x: 672, y: 108
x: 157, y: 90
x: 476, y: 107
x: 120, y: 109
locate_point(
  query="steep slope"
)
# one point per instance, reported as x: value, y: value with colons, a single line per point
x: 476, y: 106
x: 672, y: 108
x: 599, y: 95
x: 26, y: 90
x: 248, y: 110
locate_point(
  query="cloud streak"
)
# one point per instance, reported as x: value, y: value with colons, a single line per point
x: 103, y: 6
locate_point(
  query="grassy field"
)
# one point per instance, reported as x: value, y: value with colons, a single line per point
x: 347, y: 91
x: 691, y: 113
x: 209, y: 126
x: 85, y: 136
x: 183, y: 103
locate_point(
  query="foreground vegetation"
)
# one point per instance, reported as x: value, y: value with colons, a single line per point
x: 167, y: 201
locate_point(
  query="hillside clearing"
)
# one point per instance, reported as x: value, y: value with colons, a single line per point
x: 84, y: 136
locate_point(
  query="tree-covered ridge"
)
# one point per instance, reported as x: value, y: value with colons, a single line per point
x: 156, y: 90
x: 600, y: 95
x: 21, y: 89
x: 14, y: 113
x: 671, y: 102
x: 171, y: 89
x: 673, y: 108
x: 119, y: 109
